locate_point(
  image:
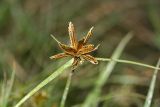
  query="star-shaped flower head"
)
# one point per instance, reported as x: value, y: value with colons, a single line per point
x: 79, y: 50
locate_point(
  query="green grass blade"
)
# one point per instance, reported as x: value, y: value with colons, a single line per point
x: 3, y: 88
x: 44, y: 82
x: 9, y: 88
x: 91, y: 99
x: 66, y: 90
x: 151, y: 87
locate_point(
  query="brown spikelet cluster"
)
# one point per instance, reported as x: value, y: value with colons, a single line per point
x: 79, y: 50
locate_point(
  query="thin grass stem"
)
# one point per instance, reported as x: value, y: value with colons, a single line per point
x: 128, y: 62
x: 66, y: 90
x: 3, y: 88
x: 9, y: 88
x: 151, y: 87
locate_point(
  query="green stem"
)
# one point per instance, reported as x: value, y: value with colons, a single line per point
x: 9, y: 88
x: 66, y: 90
x: 44, y: 82
x: 151, y: 88
x: 128, y: 62
x: 91, y: 99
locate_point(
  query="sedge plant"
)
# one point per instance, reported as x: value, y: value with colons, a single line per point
x: 79, y: 51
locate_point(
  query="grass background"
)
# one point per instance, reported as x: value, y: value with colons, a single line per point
x: 26, y: 45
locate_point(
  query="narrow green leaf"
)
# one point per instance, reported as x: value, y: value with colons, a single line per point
x: 151, y: 87
x: 128, y: 62
x: 44, y: 82
x: 66, y: 90
x: 9, y: 88
x: 91, y: 99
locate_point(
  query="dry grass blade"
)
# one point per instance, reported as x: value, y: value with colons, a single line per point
x: 151, y: 87
x: 91, y: 99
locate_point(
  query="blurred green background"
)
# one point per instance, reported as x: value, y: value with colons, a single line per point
x: 25, y: 28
